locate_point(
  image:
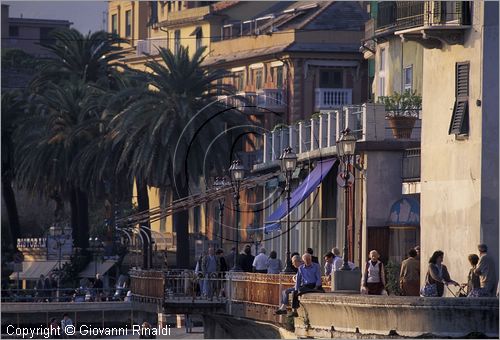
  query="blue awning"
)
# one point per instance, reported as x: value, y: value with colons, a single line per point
x: 300, y: 194
x: 405, y: 212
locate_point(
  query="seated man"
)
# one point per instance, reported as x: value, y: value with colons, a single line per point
x: 296, y: 262
x: 308, y: 281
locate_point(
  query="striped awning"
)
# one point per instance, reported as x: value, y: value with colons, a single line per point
x: 99, y: 267
x: 33, y: 269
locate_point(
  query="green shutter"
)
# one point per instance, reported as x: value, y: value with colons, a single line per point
x: 438, y: 12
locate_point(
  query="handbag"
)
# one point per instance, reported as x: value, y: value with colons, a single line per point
x: 430, y: 289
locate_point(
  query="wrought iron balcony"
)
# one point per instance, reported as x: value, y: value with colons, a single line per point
x: 430, y: 23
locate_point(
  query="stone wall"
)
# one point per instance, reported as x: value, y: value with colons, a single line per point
x: 322, y: 315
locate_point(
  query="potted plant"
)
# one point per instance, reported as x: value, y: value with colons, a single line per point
x: 402, y: 110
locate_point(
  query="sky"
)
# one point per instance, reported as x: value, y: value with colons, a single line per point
x: 85, y: 15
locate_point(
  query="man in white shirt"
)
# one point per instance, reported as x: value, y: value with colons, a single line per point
x: 338, y: 261
x: 260, y: 262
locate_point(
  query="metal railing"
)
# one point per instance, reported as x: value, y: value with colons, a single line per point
x: 271, y: 98
x: 408, y: 14
x: 65, y: 295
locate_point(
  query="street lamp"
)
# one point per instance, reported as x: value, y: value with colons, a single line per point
x: 59, y: 237
x: 288, y: 164
x: 237, y: 171
x: 346, y: 147
x: 220, y: 182
x: 95, y: 246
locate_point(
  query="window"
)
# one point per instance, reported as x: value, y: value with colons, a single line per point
x: 279, y: 76
x: 381, y: 73
x: 179, y: 5
x: 128, y: 23
x: 258, y: 79
x: 459, y: 124
x: 199, y: 35
x: 177, y: 41
x: 13, y: 31
x: 169, y: 6
x: 408, y: 78
x: 114, y: 23
x: 331, y: 79
x: 239, y: 79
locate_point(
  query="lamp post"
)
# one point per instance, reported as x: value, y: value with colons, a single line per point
x: 219, y: 183
x: 95, y: 246
x: 58, y: 235
x: 288, y: 164
x: 346, y: 147
x: 237, y: 171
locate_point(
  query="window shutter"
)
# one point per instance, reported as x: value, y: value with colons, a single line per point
x: 459, y: 124
x: 437, y: 12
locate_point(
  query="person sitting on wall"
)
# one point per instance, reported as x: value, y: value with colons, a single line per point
x: 329, y: 257
x: 285, y: 293
x: 308, y: 281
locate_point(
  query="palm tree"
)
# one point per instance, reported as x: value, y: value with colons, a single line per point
x: 51, y: 138
x: 12, y: 111
x: 166, y: 132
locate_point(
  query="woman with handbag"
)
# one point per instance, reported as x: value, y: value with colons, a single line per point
x: 437, y: 276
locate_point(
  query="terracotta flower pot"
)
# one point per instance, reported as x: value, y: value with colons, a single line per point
x: 401, y: 126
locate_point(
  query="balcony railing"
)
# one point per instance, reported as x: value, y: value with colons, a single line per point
x: 368, y: 122
x: 272, y: 99
x: 402, y: 15
x: 330, y: 98
x: 150, y: 46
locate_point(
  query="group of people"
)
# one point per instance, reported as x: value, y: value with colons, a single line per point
x: 481, y: 279
x: 58, y: 329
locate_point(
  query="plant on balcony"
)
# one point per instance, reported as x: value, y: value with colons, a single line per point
x: 402, y: 110
x: 280, y: 127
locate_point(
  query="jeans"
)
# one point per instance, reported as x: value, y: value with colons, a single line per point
x: 285, y: 295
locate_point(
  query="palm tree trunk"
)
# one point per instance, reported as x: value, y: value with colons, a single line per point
x: 181, y: 226
x: 143, y: 206
x: 11, y: 207
x: 74, y: 214
x: 82, y: 219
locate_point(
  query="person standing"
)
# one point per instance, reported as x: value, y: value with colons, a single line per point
x: 337, y: 260
x: 98, y: 286
x: 437, y: 273
x: 66, y: 322
x: 245, y: 260
x: 209, y: 268
x: 374, y: 277
x: 473, y: 280
x: 260, y: 262
x: 409, y: 276
x: 310, y: 251
x: 486, y: 271
x: 274, y: 265
x: 328, y: 257
x: 230, y: 258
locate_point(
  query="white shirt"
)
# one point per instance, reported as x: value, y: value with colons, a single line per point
x: 337, y: 263
x: 260, y: 262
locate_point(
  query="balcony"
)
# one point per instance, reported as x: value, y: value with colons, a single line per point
x: 330, y: 98
x: 150, y: 46
x: 271, y: 99
x: 318, y: 135
x: 243, y: 101
x: 430, y: 23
